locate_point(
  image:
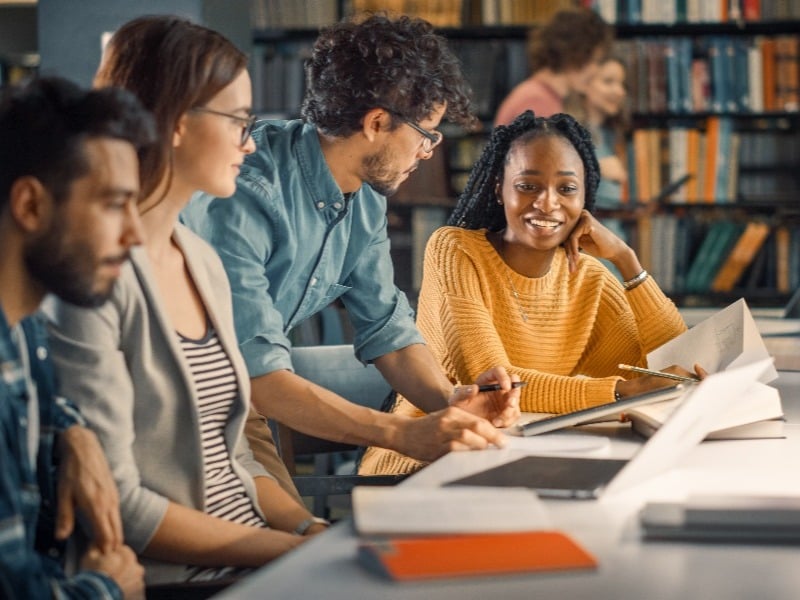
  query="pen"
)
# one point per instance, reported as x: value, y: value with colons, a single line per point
x: 494, y: 387
x: 657, y: 373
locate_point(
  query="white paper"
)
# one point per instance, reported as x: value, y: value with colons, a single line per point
x: 462, y: 509
x: 727, y: 339
x: 557, y: 443
x: 688, y: 424
x: 759, y: 402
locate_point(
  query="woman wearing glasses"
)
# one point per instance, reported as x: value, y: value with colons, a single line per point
x: 157, y: 369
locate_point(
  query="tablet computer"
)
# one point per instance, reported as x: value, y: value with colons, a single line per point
x: 602, y: 412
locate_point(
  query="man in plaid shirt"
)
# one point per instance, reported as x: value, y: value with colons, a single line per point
x: 68, y: 190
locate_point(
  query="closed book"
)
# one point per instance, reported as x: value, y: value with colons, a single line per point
x: 728, y: 518
x: 473, y: 555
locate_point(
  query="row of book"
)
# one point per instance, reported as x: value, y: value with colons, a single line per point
x: 458, y: 13
x: 694, y: 11
x: 288, y: 14
x: 695, y: 256
x: 723, y: 164
x: 279, y: 82
x: 720, y: 74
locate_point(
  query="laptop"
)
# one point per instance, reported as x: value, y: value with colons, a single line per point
x: 588, y: 478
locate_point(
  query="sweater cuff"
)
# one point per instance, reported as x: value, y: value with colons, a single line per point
x: 600, y: 391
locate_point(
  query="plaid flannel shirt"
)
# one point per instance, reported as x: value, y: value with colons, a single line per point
x: 30, y: 557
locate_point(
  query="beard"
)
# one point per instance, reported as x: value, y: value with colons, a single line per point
x: 68, y: 270
x: 379, y: 173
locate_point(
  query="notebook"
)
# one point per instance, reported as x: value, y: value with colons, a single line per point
x: 575, y: 477
x: 473, y: 555
x: 602, y: 412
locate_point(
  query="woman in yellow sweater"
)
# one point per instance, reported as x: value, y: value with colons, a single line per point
x: 507, y: 283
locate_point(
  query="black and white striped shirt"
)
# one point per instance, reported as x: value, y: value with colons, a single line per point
x: 215, y: 381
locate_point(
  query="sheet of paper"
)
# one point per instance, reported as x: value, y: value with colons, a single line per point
x: 759, y: 402
x: 688, y: 424
x: 727, y: 339
x: 398, y: 510
x: 561, y: 443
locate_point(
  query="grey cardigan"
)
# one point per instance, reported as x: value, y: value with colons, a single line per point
x: 123, y: 365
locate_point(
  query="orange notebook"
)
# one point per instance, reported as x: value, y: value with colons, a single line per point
x: 473, y: 555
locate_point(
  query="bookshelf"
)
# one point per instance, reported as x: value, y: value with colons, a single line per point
x: 740, y: 120
x: 19, y: 56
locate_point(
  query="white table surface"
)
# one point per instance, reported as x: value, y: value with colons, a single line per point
x: 629, y: 567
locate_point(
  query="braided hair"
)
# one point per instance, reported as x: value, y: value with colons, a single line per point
x: 477, y: 206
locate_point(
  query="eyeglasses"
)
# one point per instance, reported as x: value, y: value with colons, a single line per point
x: 431, y: 139
x: 247, y: 122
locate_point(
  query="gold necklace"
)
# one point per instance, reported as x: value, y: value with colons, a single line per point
x: 514, y: 291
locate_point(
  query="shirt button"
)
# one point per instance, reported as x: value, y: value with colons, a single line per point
x: 53, y: 553
x: 23, y: 422
x: 337, y: 205
x: 41, y: 353
x: 320, y: 205
x: 314, y: 281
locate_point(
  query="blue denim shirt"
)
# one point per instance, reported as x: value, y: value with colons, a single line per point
x: 30, y: 558
x: 292, y: 243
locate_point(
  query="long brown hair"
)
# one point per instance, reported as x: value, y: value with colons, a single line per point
x: 172, y: 65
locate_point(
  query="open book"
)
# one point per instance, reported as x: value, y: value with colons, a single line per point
x: 726, y: 339
x: 758, y: 414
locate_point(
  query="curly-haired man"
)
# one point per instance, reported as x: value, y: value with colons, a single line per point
x: 307, y: 226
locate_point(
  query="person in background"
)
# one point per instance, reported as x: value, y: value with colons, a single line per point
x: 564, y: 55
x: 601, y: 109
x: 505, y: 282
x: 68, y: 187
x: 157, y: 369
x: 307, y: 226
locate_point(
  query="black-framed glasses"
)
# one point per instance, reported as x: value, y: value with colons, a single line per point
x: 247, y: 122
x: 430, y: 140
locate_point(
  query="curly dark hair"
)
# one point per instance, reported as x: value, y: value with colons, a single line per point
x: 477, y: 206
x: 568, y: 40
x: 399, y: 64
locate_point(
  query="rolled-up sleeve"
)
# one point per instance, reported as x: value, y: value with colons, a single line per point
x: 380, y: 312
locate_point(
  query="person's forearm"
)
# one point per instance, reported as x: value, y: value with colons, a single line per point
x: 280, y: 509
x: 627, y: 263
x: 192, y: 537
x: 414, y: 372
x: 313, y: 410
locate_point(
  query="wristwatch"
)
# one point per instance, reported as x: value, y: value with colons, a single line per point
x: 306, y: 524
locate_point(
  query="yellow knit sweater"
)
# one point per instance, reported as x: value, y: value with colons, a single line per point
x: 579, y: 327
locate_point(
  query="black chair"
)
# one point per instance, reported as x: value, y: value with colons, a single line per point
x: 335, y: 368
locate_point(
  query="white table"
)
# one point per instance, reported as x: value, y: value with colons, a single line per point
x: 629, y: 567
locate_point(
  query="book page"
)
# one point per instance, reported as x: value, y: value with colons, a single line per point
x: 398, y: 510
x: 758, y: 403
x: 728, y: 338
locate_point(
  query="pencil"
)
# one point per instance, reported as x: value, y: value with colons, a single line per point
x: 494, y: 387
x: 657, y: 373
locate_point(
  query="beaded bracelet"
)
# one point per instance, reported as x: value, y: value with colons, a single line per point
x: 634, y: 281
